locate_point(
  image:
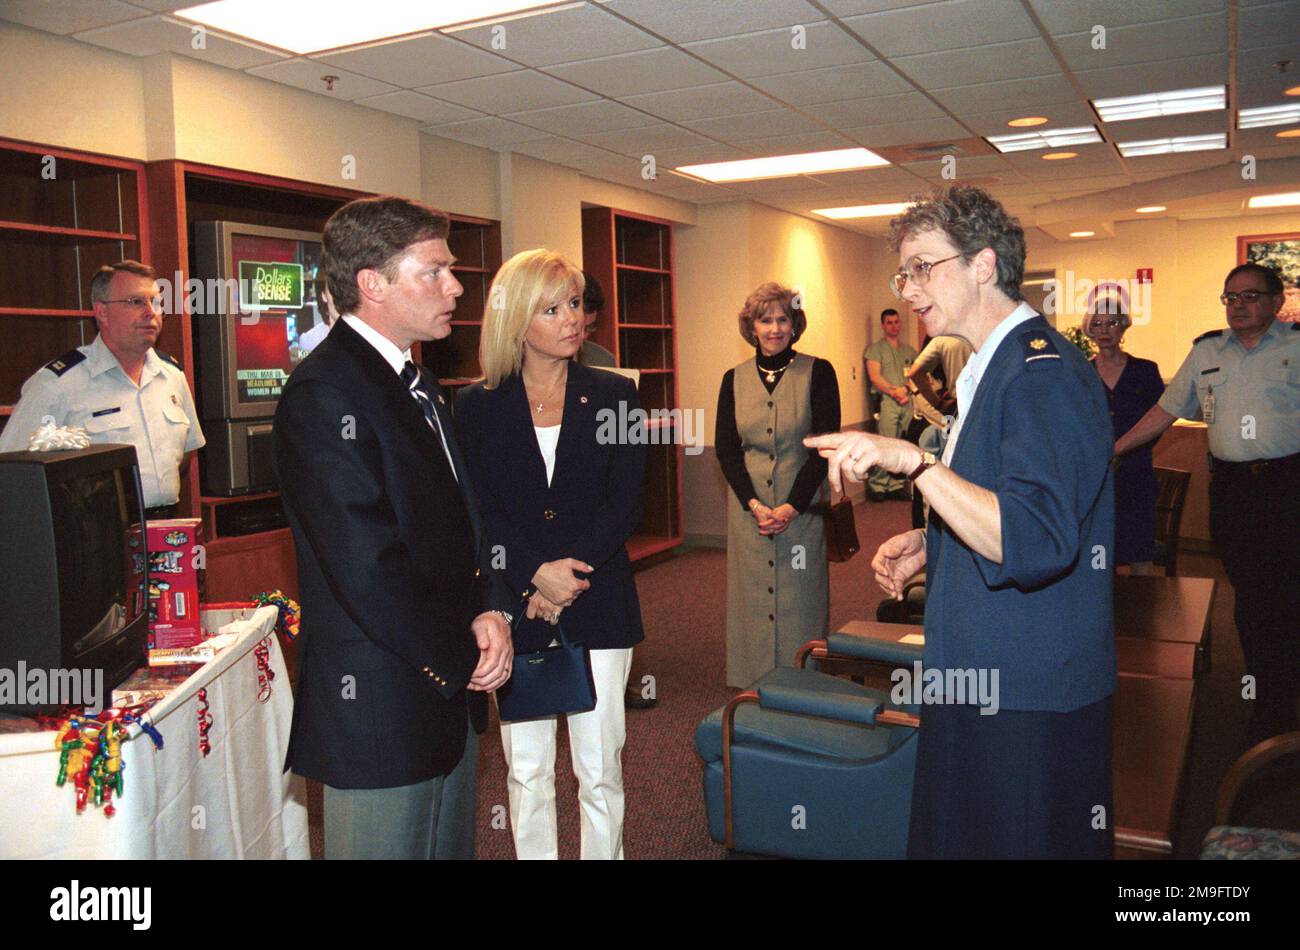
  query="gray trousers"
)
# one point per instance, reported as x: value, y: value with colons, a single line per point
x: 430, y: 820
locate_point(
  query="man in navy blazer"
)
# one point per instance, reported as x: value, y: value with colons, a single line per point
x: 403, y: 631
x: 1017, y: 555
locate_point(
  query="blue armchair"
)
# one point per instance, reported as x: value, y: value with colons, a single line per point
x: 808, y: 765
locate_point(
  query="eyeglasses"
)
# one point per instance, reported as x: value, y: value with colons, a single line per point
x: 1096, y: 323
x: 1245, y: 296
x: 154, y: 303
x: 918, y: 272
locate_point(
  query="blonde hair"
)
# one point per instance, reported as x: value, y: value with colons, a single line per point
x: 523, y: 285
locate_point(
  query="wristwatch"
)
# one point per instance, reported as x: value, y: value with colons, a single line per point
x: 928, y: 460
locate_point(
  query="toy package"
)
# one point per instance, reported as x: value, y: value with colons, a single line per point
x: 173, y: 584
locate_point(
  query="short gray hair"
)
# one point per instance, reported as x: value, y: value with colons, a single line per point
x: 104, y: 276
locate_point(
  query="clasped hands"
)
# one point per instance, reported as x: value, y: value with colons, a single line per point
x: 558, y: 586
x: 772, y: 520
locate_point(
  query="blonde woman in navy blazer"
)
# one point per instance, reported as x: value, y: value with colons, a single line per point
x: 559, y: 499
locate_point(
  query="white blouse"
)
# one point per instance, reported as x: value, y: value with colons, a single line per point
x: 548, y: 437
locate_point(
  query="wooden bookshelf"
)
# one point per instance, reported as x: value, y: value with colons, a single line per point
x: 63, y: 215
x: 476, y: 245
x: 632, y: 257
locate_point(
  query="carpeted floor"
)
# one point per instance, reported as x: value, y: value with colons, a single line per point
x: 683, y: 603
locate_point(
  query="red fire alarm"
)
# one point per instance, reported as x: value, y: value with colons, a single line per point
x: 1146, y: 275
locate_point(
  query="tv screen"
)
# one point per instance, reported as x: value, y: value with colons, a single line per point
x: 73, y: 565
x: 266, y: 304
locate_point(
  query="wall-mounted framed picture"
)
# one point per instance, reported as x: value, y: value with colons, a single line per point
x: 1282, y: 253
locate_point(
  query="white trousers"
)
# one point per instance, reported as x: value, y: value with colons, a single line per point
x: 596, y: 743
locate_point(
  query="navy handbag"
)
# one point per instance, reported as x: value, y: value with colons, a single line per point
x: 550, y: 681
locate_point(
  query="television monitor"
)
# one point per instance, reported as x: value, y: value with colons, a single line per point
x: 256, y: 302
x: 73, y: 571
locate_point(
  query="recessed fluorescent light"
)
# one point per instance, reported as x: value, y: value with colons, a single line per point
x: 1058, y: 156
x: 1289, y: 134
x: 309, y: 26
x: 1044, y: 138
x: 1151, y: 209
x: 783, y: 166
x: 1028, y: 121
x: 864, y: 211
x: 1155, y: 104
x: 1179, y: 143
x: 1281, y: 200
x: 1262, y: 116
x: 1083, y: 234
x: 1293, y: 91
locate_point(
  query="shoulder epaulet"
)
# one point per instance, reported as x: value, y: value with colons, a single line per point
x: 1208, y: 335
x: 168, y: 358
x: 1038, y: 346
x: 65, y: 362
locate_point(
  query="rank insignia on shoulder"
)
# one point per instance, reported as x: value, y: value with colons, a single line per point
x: 1038, y: 346
x: 1208, y: 335
x: 65, y: 362
x: 168, y: 358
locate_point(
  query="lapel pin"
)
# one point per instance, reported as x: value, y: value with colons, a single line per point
x: 583, y: 400
x: 175, y: 401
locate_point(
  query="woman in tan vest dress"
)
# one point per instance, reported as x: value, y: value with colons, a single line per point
x: 778, y: 589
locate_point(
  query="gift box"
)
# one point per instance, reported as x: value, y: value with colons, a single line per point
x: 173, y: 584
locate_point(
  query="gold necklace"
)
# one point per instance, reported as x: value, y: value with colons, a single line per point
x: 772, y: 374
x: 541, y: 404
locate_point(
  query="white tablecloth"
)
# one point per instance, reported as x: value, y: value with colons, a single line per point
x: 235, y: 803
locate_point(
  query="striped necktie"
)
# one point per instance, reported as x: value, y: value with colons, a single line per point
x: 411, y: 377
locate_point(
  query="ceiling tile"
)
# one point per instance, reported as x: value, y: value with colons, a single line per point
x: 1154, y: 77
x: 556, y: 37
x: 779, y: 51
x: 631, y: 73
x: 950, y: 25
x: 68, y: 16
x: 1080, y: 16
x: 1268, y: 92
x: 307, y: 73
x: 876, y: 110
x: 638, y: 142
x: 683, y: 21
x: 1258, y: 66
x: 702, y: 102
x: 488, y: 132
x: 775, y: 187
x: 907, y: 133
x: 980, y: 64
x: 796, y: 144
x: 1129, y: 45
x: 158, y: 34
x: 843, y: 8
x: 755, y: 125
x: 1034, y: 94
x: 557, y: 150
x: 834, y: 83
x: 520, y: 91
x: 600, y: 116
x: 414, y: 105
x: 1268, y: 25
x: 420, y: 61
x: 163, y: 6
x: 699, y: 155
x: 1061, y: 115
x: 1195, y: 123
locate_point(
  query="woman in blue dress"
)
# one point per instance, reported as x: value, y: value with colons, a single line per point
x: 1133, y: 386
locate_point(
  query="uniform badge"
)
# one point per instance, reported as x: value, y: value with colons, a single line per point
x: 175, y: 400
x: 1038, y: 343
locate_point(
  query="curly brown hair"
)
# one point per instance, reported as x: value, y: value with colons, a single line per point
x: 760, y: 299
x: 973, y: 220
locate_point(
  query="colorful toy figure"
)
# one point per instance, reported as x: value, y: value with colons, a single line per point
x: 176, y: 538
x: 289, y: 620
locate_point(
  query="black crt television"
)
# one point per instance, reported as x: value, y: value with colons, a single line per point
x: 73, y: 566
